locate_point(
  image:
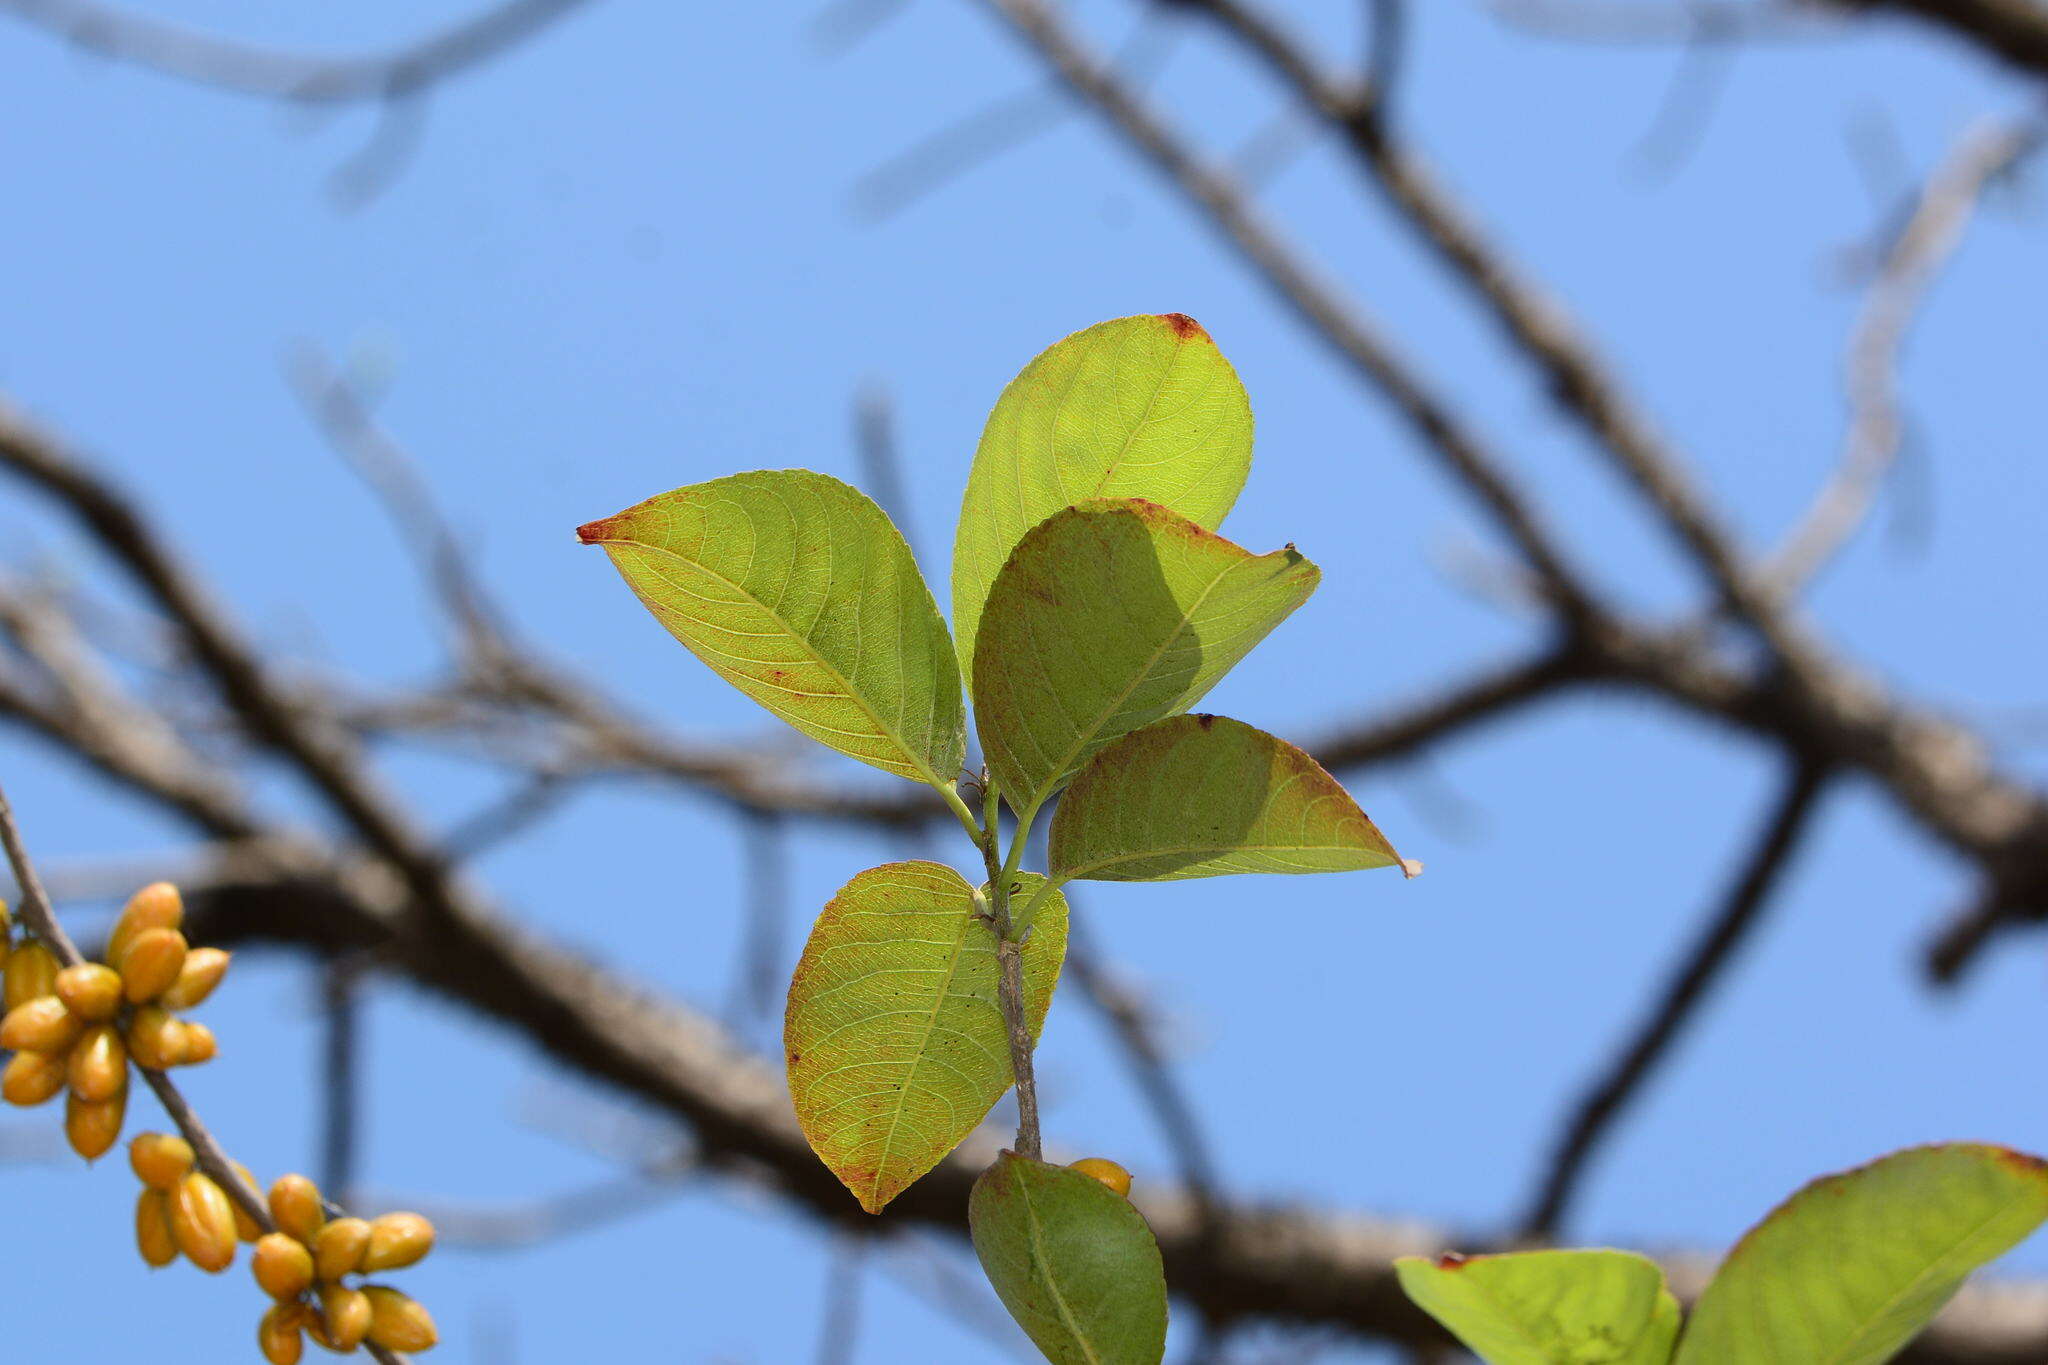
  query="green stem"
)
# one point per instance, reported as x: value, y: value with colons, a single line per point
x: 966, y: 816
x: 1010, y: 978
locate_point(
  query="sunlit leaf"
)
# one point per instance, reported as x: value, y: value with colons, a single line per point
x: 1549, y: 1307
x: 894, y: 1038
x: 1849, y: 1269
x: 1205, y: 796
x: 1140, y: 407
x: 797, y: 590
x: 1073, y: 1262
x: 1109, y: 616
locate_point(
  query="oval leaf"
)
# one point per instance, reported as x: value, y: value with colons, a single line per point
x: 1207, y: 796
x: 894, y: 1037
x: 1549, y: 1307
x: 1109, y: 616
x: 1849, y: 1269
x: 1073, y: 1262
x: 797, y: 589
x: 1141, y: 407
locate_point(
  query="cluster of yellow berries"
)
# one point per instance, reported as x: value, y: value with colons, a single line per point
x: 305, y: 1266
x: 80, y: 1026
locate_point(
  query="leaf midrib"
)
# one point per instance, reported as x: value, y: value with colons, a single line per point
x: 1138, y: 676
x: 882, y: 727
x: 1165, y: 851
x: 1902, y: 1293
x: 1039, y: 1258
x: 923, y: 1041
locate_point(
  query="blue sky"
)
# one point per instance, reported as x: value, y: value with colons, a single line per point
x: 626, y: 257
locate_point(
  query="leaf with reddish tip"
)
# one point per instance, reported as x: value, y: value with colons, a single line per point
x: 1109, y: 616
x: 1139, y: 407
x: 1207, y: 796
x: 797, y: 590
x: 1848, y: 1270
x: 1073, y: 1262
x: 1549, y: 1307
x: 894, y: 1038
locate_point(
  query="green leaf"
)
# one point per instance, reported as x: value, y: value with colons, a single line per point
x: 1072, y: 1261
x: 1206, y: 796
x: 894, y: 1038
x: 797, y: 590
x: 1142, y: 407
x: 1109, y: 616
x: 1549, y: 1307
x: 1849, y: 1269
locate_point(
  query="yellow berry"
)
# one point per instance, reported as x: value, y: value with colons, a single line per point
x: 200, y: 1045
x: 203, y: 1221
x: 43, y: 1024
x: 156, y: 906
x: 1105, y: 1170
x: 347, y: 1315
x: 246, y: 1228
x: 91, y: 990
x: 283, y: 1267
x: 160, y: 1160
x: 397, y: 1323
x: 338, y: 1249
x: 99, y: 1064
x: 156, y: 1040
x: 203, y: 969
x: 397, y: 1240
x: 31, y: 971
x: 153, y: 1229
x: 31, y: 1078
x: 94, y: 1126
x: 295, y: 1208
x: 150, y: 962
x: 6, y: 924
x: 277, y: 1336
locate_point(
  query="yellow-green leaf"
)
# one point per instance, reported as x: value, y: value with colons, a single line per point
x: 796, y: 589
x: 1848, y: 1270
x: 1109, y: 616
x: 894, y: 1038
x: 1549, y: 1307
x: 1073, y: 1262
x: 1139, y: 407
x: 1206, y: 796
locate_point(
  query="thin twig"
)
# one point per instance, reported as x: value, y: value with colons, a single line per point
x: 839, y: 1327
x: 1782, y: 833
x: 341, y: 1018
x: 1359, y: 342
x: 1921, y: 247
x: 293, y: 77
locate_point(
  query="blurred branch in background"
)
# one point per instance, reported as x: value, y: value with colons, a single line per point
x: 376, y: 891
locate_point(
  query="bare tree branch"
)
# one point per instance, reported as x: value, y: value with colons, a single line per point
x: 1876, y: 426
x: 1783, y: 832
x: 298, y: 78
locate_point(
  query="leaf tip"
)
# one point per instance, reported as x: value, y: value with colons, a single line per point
x: 1185, y: 327
x: 1451, y: 1260
x: 596, y: 532
x: 1411, y: 868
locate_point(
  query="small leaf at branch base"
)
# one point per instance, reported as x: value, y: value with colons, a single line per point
x: 1207, y: 796
x: 1140, y: 407
x: 1072, y: 1260
x: 1549, y: 1307
x: 894, y: 1039
x: 797, y: 590
x: 1848, y: 1270
x: 1107, y: 617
